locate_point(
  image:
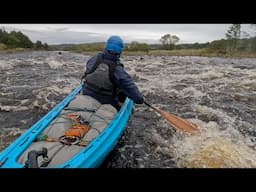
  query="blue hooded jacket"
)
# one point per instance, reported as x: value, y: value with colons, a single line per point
x: 122, y: 79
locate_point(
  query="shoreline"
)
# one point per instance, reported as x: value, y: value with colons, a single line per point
x: 196, y: 53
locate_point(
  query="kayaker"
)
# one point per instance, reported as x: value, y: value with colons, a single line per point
x: 105, y: 78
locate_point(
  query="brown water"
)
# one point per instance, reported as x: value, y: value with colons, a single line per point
x: 216, y: 93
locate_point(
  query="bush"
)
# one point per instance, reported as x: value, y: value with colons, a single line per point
x: 3, y: 46
x: 18, y: 40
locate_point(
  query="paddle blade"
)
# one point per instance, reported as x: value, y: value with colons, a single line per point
x: 179, y: 123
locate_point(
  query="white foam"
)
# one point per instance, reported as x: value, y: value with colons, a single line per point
x: 211, y: 74
x: 13, y: 108
x: 248, y: 83
x: 192, y: 92
x: 192, y: 150
x: 42, y: 101
x: 6, y: 65
x: 54, y: 62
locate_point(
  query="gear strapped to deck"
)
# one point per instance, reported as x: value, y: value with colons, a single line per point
x: 74, y: 135
x: 76, y: 132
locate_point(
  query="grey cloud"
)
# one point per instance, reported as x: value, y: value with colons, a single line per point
x: 149, y: 33
x: 61, y: 29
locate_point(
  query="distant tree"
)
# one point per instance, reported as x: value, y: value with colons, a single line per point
x: 175, y: 39
x: 136, y: 46
x: 192, y: 46
x: 234, y: 31
x: 12, y: 41
x: 85, y: 47
x: 169, y: 41
x: 165, y: 40
x: 133, y: 46
x: 253, y: 44
x: 218, y: 46
x: 38, y: 45
x: 45, y: 46
x: 25, y: 42
x: 3, y: 36
x: 233, y: 35
x: 15, y: 39
x: 253, y: 41
x: 144, y: 47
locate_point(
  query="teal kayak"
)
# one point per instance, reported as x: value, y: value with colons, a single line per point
x: 90, y: 156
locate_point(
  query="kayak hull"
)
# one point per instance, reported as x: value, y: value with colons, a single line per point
x: 90, y: 156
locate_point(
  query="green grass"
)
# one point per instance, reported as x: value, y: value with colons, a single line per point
x: 181, y: 52
x: 177, y: 52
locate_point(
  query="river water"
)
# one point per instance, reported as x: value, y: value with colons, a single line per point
x: 218, y: 94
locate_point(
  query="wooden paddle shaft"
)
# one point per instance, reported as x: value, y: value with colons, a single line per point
x: 177, y: 122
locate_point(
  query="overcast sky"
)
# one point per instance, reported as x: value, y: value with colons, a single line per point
x: 148, y: 33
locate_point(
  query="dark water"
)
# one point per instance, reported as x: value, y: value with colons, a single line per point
x: 216, y: 93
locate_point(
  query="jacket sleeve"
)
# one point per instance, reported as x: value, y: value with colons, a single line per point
x: 127, y: 85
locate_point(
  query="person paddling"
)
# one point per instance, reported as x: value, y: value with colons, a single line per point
x: 105, y: 78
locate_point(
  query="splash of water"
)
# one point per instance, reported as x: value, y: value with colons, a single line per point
x: 213, y: 148
x: 220, y: 153
x: 55, y: 62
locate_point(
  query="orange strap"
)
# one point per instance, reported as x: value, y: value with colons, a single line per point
x: 74, y: 117
x: 77, y: 131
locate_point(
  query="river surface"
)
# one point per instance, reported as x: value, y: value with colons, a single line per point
x: 218, y: 94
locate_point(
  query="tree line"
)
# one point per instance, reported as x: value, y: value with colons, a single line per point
x: 235, y: 40
x: 14, y: 39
